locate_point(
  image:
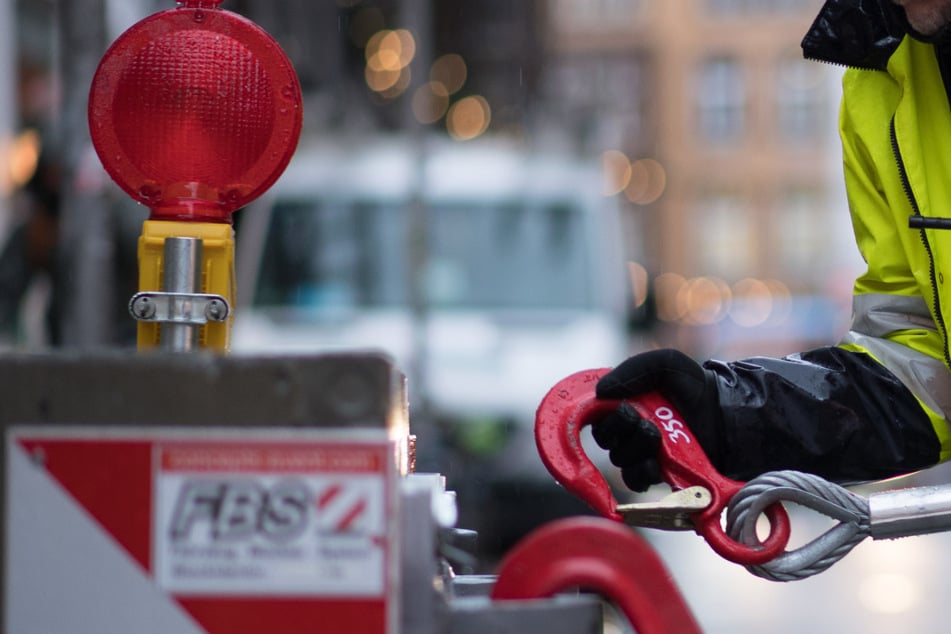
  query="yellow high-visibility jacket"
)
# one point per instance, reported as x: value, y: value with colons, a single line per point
x: 895, y: 127
x: 876, y: 404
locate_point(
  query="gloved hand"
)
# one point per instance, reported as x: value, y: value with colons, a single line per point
x: 633, y: 443
x: 829, y: 411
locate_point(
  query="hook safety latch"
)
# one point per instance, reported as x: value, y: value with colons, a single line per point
x: 671, y: 513
x: 571, y: 405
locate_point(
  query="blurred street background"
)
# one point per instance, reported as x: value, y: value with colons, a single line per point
x: 496, y: 194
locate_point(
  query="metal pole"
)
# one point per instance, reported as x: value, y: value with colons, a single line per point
x: 86, y: 249
x: 182, y: 274
x: 905, y: 512
x: 416, y: 16
x: 8, y: 92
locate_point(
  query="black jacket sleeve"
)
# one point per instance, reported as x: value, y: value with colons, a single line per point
x: 832, y: 412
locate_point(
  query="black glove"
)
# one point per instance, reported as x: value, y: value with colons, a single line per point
x: 832, y: 412
x: 633, y: 443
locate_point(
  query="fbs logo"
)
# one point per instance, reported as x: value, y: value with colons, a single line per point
x: 230, y: 510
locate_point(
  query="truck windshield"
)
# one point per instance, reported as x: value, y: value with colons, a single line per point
x: 321, y: 255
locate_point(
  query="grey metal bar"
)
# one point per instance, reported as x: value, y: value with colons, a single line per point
x: 181, y: 274
x: 906, y: 512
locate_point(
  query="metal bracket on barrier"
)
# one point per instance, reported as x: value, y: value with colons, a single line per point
x: 179, y: 308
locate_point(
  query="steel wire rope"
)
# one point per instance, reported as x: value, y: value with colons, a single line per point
x: 810, y: 491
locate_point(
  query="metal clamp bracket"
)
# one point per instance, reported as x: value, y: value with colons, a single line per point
x: 179, y: 308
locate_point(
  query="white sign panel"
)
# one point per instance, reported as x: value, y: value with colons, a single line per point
x: 270, y: 519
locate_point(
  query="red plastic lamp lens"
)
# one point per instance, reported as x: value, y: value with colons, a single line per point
x: 195, y: 112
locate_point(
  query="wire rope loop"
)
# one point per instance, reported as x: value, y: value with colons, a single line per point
x: 813, y: 492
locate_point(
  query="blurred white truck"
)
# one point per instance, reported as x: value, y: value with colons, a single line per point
x: 522, y: 282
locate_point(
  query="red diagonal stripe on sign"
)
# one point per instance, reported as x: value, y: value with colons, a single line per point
x: 329, y: 495
x: 346, y: 522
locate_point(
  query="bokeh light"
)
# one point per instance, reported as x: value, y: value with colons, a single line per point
x: 753, y: 303
x: 704, y: 300
x: 388, y: 54
x: 781, y: 298
x: 617, y: 171
x: 390, y: 50
x: 430, y: 102
x: 647, y: 182
x: 22, y: 157
x: 640, y: 283
x: 449, y: 70
x: 468, y: 118
x: 667, y: 287
x: 707, y: 300
x: 382, y: 80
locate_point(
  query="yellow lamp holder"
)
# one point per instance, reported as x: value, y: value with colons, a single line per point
x: 186, y: 286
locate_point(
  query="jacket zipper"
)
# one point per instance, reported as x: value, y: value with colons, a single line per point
x: 916, y: 210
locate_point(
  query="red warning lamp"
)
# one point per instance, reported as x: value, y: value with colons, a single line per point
x: 195, y: 112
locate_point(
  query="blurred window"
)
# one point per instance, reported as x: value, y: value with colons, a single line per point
x: 571, y: 13
x: 721, y: 100
x: 508, y: 257
x: 802, y: 233
x: 327, y: 256
x: 725, y: 241
x: 597, y: 96
x: 802, y: 100
x: 332, y: 255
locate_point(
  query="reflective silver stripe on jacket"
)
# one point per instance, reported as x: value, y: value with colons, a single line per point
x: 873, y: 317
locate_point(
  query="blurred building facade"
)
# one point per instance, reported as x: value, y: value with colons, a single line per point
x: 721, y: 140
